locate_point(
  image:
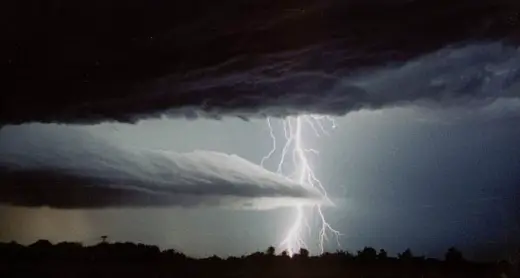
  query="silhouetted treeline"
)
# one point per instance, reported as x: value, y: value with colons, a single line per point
x: 68, y: 259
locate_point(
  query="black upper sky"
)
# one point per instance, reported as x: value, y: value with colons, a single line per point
x: 89, y: 61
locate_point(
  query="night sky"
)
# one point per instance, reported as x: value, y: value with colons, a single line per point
x: 147, y: 122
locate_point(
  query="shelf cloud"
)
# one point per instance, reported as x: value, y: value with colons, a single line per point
x: 75, y: 170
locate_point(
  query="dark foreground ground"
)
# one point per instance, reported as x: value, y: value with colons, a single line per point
x: 43, y: 259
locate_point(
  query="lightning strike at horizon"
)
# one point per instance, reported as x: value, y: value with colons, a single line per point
x: 302, y: 173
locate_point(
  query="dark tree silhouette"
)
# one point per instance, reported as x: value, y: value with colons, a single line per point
x: 407, y: 255
x: 347, y: 255
x: 383, y: 255
x: 367, y: 254
x: 41, y: 244
x: 126, y: 259
x: 104, y: 239
x: 304, y: 253
x: 453, y: 255
x: 270, y: 251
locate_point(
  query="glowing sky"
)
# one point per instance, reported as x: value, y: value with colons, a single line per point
x: 402, y: 177
x: 146, y: 121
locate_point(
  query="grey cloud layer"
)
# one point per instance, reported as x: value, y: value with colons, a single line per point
x: 43, y: 166
x: 477, y: 73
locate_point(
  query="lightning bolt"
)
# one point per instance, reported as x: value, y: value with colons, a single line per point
x: 302, y: 173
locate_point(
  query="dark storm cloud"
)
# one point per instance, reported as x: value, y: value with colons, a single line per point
x: 43, y: 167
x: 91, y: 61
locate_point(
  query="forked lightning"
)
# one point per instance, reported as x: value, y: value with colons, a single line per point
x: 302, y: 173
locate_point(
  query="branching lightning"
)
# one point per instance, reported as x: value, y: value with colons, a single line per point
x: 303, y: 173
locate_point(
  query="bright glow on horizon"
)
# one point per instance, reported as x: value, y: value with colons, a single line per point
x: 304, y: 175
